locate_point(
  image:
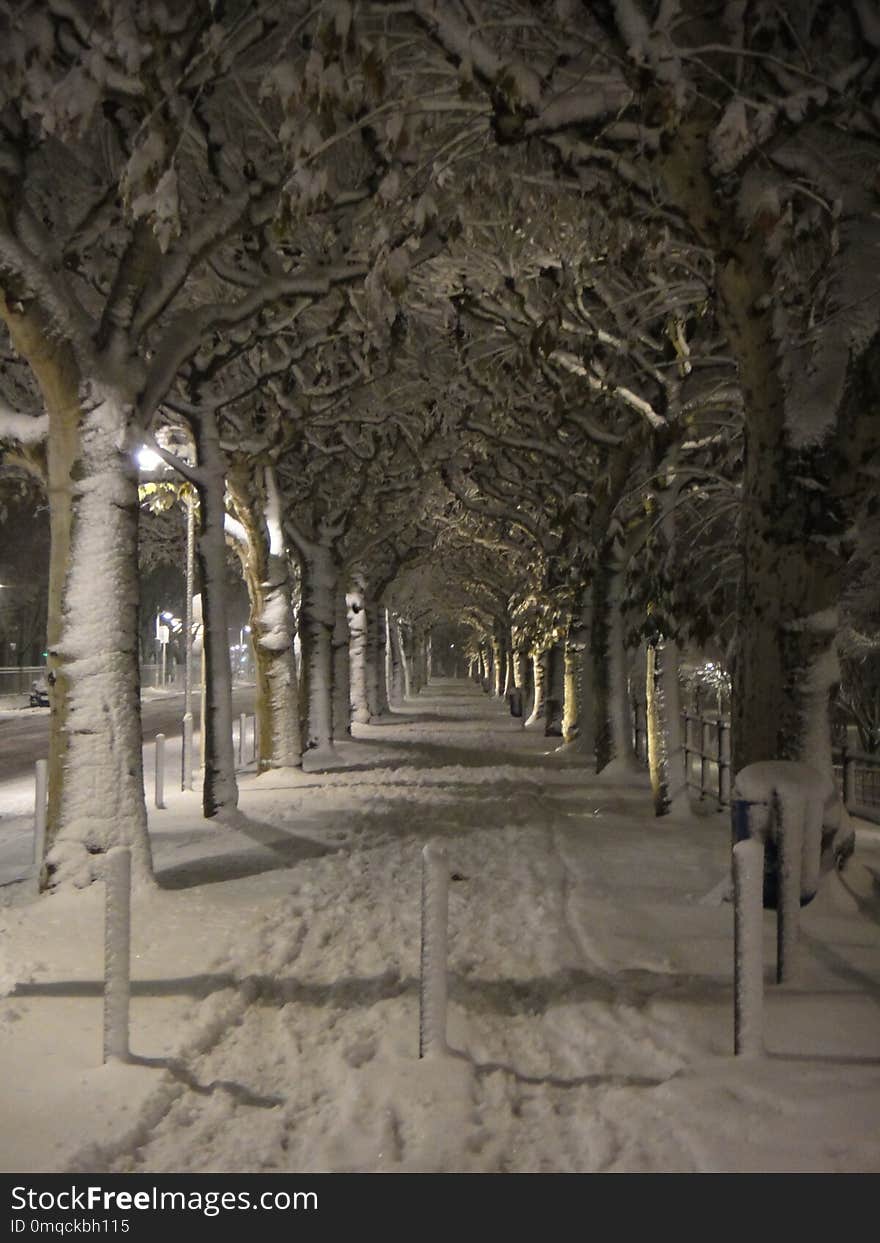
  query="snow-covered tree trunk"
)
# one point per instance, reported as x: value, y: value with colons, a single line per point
x: 396, y: 687
x: 797, y: 494
x: 341, y: 672
x: 407, y: 653
x: 220, y: 790
x: 519, y: 662
x: 499, y: 664
x: 540, y: 661
x: 377, y: 637
x: 609, y: 680
x: 572, y: 706
x: 555, y: 691
x: 277, y: 691
x: 317, y: 623
x: 663, y: 717
x: 102, y: 794
x: 267, y: 575
x: 54, y: 365
x: 486, y: 665
x: 357, y: 651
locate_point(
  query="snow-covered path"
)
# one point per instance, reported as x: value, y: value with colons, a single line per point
x: 275, y: 1011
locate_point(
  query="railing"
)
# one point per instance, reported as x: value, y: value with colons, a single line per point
x: 706, y: 746
x: 16, y: 680
x: 858, y: 780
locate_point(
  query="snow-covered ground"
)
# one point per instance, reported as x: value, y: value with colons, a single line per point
x: 275, y: 1009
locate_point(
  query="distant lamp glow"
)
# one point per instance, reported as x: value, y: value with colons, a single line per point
x: 147, y: 459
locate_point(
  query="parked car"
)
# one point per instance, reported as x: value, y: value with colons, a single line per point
x: 39, y: 694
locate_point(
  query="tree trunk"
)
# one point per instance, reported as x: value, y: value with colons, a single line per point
x: 572, y: 695
x: 795, y: 503
x: 220, y: 790
x: 609, y: 682
x: 341, y: 705
x: 540, y: 661
x: 555, y: 693
x: 499, y: 665
x: 377, y: 681
x: 395, y: 663
x: 277, y: 690
x: 102, y: 794
x: 357, y: 649
x: 663, y: 717
x: 266, y: 570
x: 317, y: 623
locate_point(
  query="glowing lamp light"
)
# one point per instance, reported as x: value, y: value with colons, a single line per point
x: 147, y: 459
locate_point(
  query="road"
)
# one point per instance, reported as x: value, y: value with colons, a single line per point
x: 24, y: 734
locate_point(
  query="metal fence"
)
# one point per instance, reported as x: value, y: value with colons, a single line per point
x: 16, y: 680
x: 706, y: 746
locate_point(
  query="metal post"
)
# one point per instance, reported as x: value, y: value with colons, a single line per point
x: 748, y: 1006
x: 723, y: 763
x: 117, y: 952
x: 42, y: 784
x: 187, y: 779
x: 242, y: 726
x: 435, y: 913
x: 160, y: 771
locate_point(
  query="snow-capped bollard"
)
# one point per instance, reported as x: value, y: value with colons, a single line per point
x: 435, y: 914
x: 117, y: 952
x: 792, y: 798
x: 242, y: 730
x: 186, y: 763
x: 748, y: 937
x: 40, y: 792
x: 160, y: 771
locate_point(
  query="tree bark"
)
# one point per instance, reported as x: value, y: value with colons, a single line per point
x: 102, y: 794
x: 317, y: 623
x: 535, y: 718
x: 609, y: 681
x: 555, y: 695
x: 220, y: 790
x: 357, y: 648
x: 341, y: 704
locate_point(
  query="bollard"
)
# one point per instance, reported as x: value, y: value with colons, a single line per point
x: 186, y: 771
x: 242, y: 728
x: 42, y: 783
x: 117, y: 952
x: 435, y: 912
x: 160, y: 771
x: 40, y: 809
x: 748, y: 916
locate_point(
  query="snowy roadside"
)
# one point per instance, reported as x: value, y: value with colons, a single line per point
x: 275, y: 1004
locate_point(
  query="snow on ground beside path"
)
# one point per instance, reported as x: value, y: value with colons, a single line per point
x: 275, y: 1011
